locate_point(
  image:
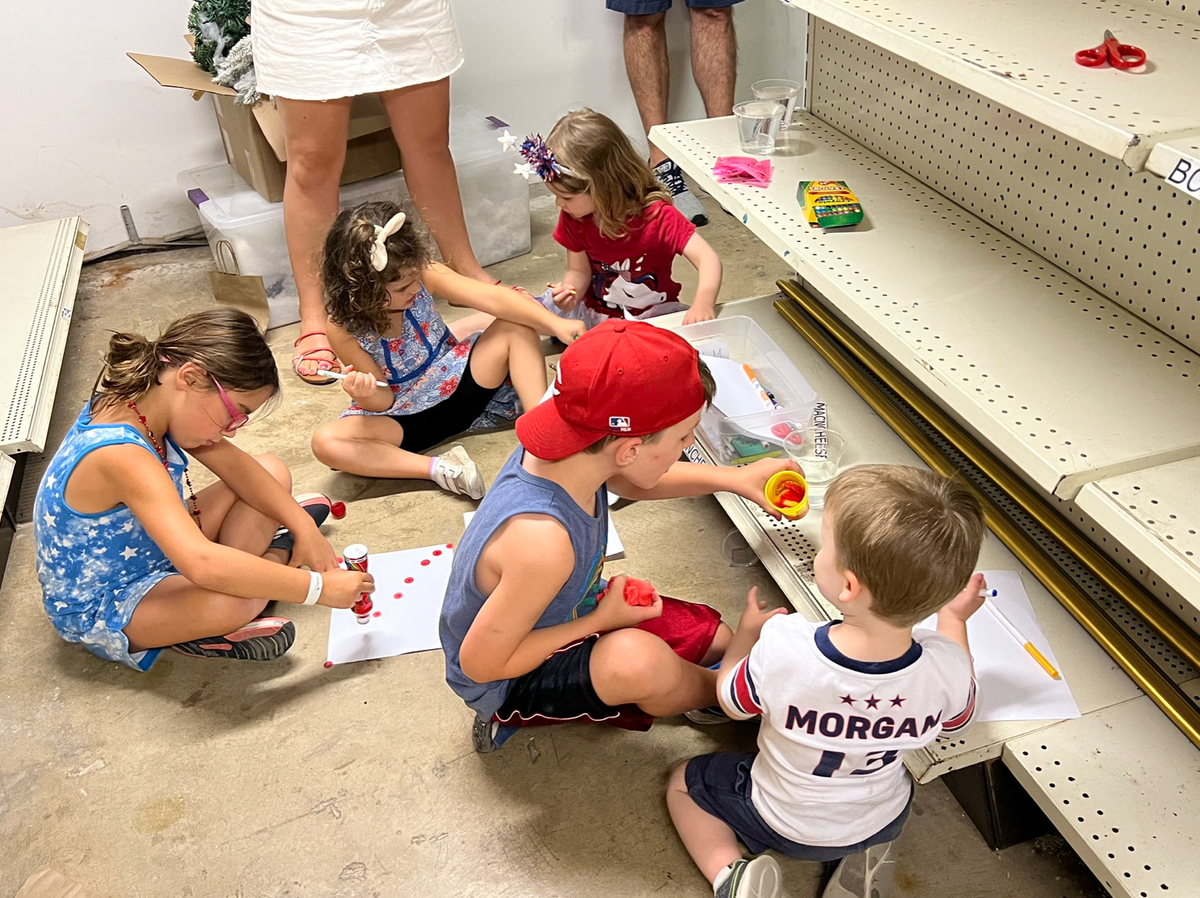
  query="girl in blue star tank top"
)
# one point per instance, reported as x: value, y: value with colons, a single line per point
x: 131, y: 559
x: 413, y: 382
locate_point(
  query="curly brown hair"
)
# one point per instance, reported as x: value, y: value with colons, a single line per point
x: 356, y: 296
x: 605, y: 165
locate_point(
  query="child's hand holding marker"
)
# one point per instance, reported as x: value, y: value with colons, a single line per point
x: 564, y: 296
x: 358, y: 384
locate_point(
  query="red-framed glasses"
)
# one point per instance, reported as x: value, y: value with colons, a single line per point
x: 237, y: 418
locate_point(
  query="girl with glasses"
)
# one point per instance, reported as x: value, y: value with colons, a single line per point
x: 131, y: 559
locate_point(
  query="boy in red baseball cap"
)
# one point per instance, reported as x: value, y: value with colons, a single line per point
x: 526, y: 640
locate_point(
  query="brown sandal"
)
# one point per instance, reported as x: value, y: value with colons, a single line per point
x: 316, y: 379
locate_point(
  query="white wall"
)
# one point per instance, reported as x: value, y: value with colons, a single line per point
x: 85, y: 130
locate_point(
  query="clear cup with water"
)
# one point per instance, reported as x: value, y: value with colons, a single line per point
x: 781, y: 91
x: 818, y: 452
x: 758, y: 125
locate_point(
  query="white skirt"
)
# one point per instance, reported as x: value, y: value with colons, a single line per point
x: 325, y: 49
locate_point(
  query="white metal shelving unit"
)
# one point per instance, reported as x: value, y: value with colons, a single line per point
x: 951, y: 300
x: 1153, y: 515
x: 1021, y: 53
x: 41, y: 265
x: 787, y: 549
x: 1027, y: 264
x: 1098, y: 777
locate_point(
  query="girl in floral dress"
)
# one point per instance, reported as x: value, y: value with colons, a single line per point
x: 412, y: 383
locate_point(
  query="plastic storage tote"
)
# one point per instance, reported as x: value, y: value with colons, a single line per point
x: 743, y: 438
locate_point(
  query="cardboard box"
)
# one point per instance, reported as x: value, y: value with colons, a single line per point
x: 253, y: 136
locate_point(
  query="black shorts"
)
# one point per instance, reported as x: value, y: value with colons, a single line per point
x: 453, y: 415
x: 559, y: 690
x: 720, y: 784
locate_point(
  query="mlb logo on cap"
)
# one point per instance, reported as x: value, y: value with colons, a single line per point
x: 617, y: 365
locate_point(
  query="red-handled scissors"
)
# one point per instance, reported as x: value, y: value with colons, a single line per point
x: 1119, y: 56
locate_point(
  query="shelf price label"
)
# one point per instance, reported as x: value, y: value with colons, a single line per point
x: 1186, y: 176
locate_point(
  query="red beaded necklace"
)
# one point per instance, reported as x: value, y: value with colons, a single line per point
x: 162, y: 454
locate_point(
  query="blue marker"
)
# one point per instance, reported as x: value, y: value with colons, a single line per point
x: 988, y: 593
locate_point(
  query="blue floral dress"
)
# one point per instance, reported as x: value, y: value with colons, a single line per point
x: 95, y: 568
x: 424, y: 365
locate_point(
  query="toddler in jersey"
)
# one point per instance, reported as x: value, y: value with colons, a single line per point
x: 841, y: 702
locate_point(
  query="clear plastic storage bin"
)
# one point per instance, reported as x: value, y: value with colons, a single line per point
x: 743, y: 438
x: 236, y: 218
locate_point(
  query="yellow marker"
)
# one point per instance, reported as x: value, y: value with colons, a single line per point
x: 1025, y: 643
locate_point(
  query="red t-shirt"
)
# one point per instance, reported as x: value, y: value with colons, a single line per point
x: 635, y: 271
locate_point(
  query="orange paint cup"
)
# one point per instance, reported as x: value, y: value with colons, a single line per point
x: 787, y: 493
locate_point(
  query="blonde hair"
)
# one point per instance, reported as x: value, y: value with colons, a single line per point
x: 604, y: 165
x: 224, y: 342
x: 911, y: 536
x: 356, y: 296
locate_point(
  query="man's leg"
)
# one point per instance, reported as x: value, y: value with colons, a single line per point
x: 714, y: 57
x: 649, y: 73
x: 648, y: 70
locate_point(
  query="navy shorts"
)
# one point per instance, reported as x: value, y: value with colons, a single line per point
x: 720, y: 784
x: 560, y: 689
x: 650, y: 7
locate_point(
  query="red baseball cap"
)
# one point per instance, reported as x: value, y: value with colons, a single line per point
x: 625, y: 378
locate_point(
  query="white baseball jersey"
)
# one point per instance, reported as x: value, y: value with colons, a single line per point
x: 829, y: 770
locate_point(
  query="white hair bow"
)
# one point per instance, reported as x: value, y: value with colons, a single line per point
x: 379, y: 254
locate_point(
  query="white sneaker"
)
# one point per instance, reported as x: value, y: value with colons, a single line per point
x: 454, y: 472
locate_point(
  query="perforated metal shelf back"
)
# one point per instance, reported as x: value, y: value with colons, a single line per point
x: 1127, y: 235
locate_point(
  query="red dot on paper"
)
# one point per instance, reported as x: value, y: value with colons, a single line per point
x: 449, y: 545
x: 377, y: 613
x: 329, y: 664
x: 398, y: 595
x: 339, y: 559
x: 424, y: 562
x: 408, y: 579
x: 437, y: 551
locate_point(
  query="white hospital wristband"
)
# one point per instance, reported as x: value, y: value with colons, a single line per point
x: 315, y: 585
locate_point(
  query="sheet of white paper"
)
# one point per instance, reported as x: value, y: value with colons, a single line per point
x: 405, y: 624
x: 614, y: 549
x: 736, y: 394
x: 1011, y: 685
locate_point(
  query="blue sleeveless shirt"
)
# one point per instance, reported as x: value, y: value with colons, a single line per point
x: 95, y: 567
x: 516, y: 491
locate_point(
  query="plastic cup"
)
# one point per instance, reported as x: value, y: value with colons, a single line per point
x: 737, y: 551
x: 758, y: 125
x: 819, y: 453
x: 782, y: 91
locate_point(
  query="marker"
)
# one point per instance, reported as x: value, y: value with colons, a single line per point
x: 767, y: 398
x: 338, y: 375
x: 356, y: 560
x: 988, y: 593
x: 1025, y: 643
x: 572, y: 289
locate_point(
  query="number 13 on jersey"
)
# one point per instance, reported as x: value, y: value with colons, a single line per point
x: 873, y: 762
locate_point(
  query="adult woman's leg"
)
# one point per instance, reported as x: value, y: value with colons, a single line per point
x: 420, y: 117
x: 315, y: 132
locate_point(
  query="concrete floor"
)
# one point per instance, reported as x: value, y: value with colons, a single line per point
x: 206, y: 778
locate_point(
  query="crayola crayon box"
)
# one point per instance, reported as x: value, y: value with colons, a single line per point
x: 829, y: 204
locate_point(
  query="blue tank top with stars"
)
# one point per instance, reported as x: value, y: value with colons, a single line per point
x: 95, y: 567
